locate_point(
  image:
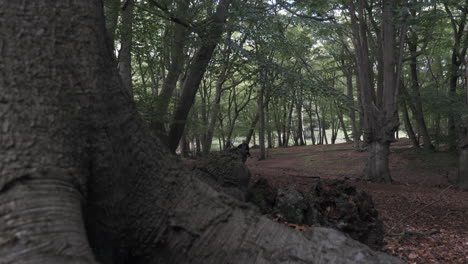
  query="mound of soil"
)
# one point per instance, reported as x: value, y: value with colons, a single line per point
x: 336, y: 204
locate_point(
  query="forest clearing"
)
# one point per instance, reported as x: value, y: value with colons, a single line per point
x: 425, y: 218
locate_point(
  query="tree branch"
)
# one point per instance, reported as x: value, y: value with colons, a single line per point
x: 171, y: 16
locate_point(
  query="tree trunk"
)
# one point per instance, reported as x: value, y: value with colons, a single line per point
x: 284, y: 124
x: 111, y: 11
x: 320, y: 124
x: 288, y: 125
x: 230, y: 130
x: 185, y: 145
x: 312, y: 126
x: 71, y: 155
x: 408, y: 126
x: 268, y: 126
x: 125, y: 52
x: 416, y: 96
x: 458, y: 53
x: 343, y: 126
x: 212, y: 123
x: 377, y: 163
x: 380, y: 114
x: 176, y: 65
x: 406, y: 118
x: 300, y: 127
x: 252, y: 128
x: 196, y: 71
x: 352, y: 111
x: 462, y: 179
x: 261, y: 120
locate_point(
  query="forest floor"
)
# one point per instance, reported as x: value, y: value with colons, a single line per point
x: 425, y: 217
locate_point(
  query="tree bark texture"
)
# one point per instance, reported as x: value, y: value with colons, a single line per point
x: 81, y: 170
x: 377, y: 163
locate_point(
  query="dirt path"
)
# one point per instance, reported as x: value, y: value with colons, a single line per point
x: 425, y: 218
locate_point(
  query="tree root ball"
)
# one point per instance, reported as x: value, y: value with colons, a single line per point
x: 334, y: 204
x: 337, y: 205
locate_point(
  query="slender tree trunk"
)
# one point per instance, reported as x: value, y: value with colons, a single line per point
x: 343, y: 126
x: 154, y: 80
x: 125, y: 52
x: 458, y: 54
x: 142, y: 74
x: 406, y: 119
x: 416, y: 96
x: 462, y: 179
x: 408, y: 126
x: 352, y: 111
x: 196, y: 71
x: 284, y: 125
x: 288, y: 124
x: 111, y: 11
x: 230, y: 131
x: 175, y: 69
x: 452, y: 93
x: 324, y: 130
x: 300, y: 127
x: 252, y: 128
x: 324, y: 134
x: 312, y: 133
x: 261, y: 120
x: 333, y: 135
x: 320, y: 124
x: 277, y: 121
x: 213, y: 117
x: 268, y: 126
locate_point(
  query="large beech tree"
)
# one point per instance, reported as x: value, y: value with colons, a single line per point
x: 379, y: 105
x: 82, y: 180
